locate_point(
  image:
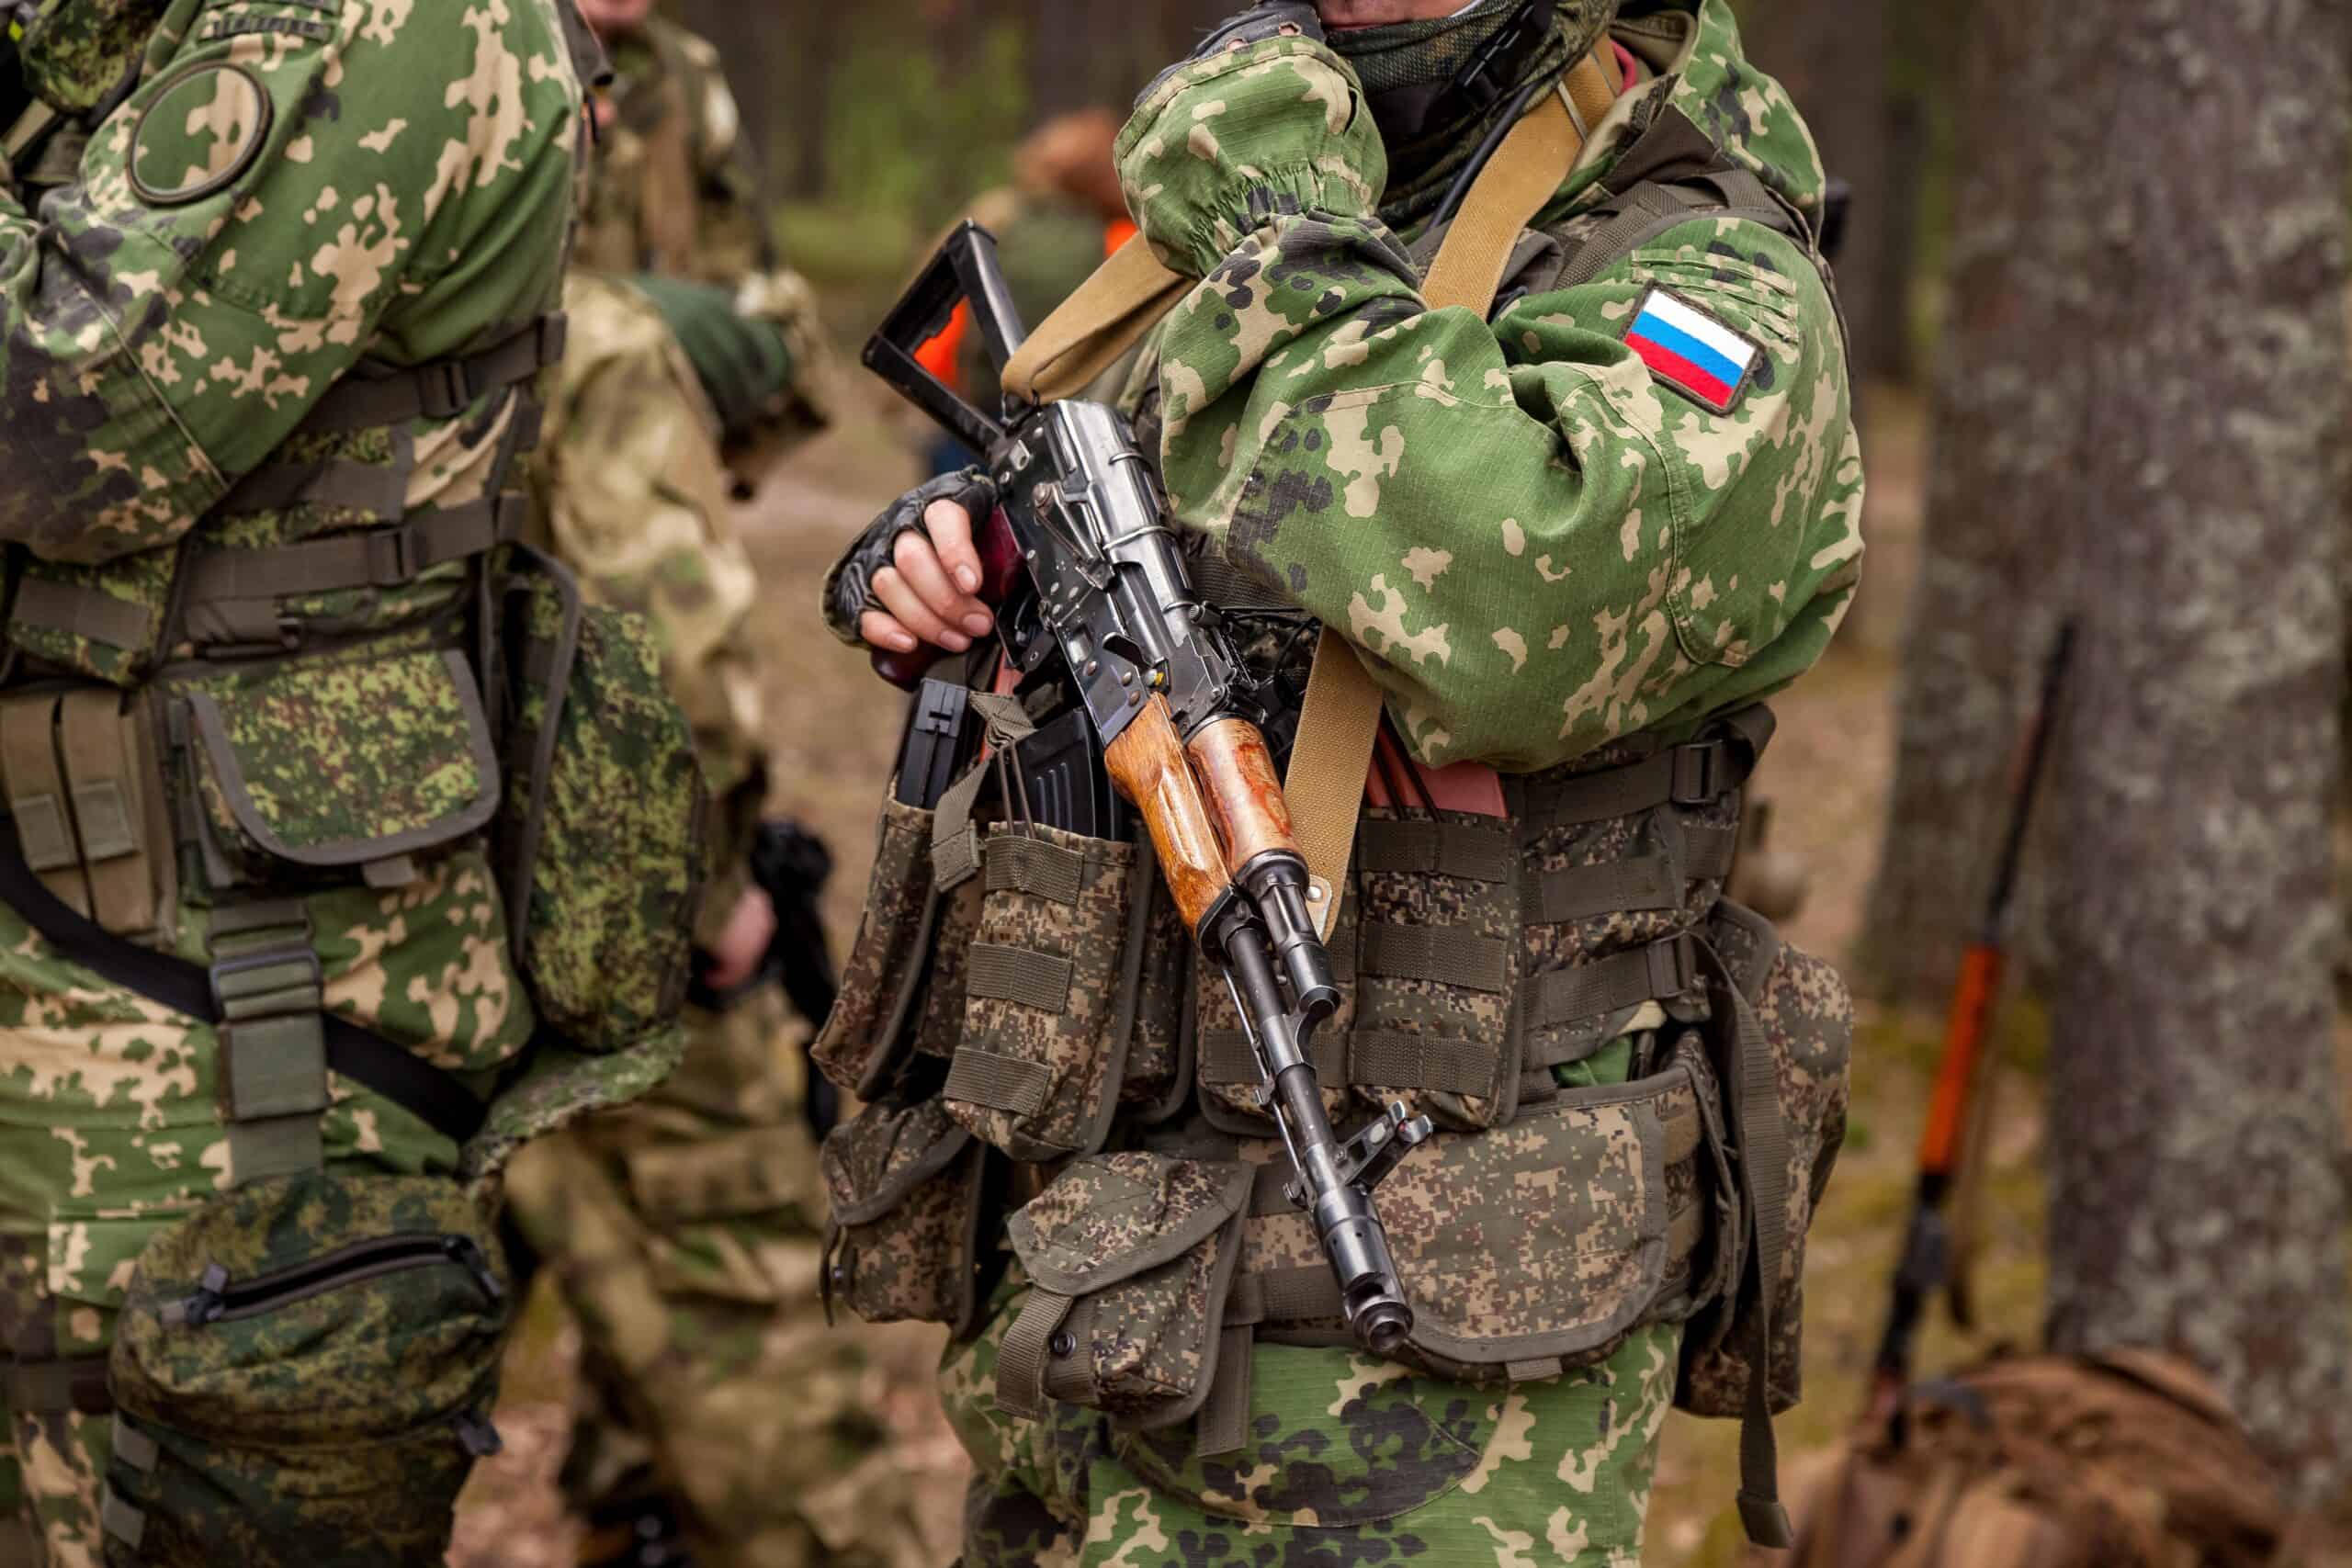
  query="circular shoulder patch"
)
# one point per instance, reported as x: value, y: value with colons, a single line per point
x: 204, y: 127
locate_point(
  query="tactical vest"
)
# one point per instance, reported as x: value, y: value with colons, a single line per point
x: 1022, y: 1010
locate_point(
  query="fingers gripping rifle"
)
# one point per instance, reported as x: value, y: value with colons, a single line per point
x: 1082, y: 565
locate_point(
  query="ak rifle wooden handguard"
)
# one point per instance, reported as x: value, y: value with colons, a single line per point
x: 1245, y: 797
x: 1149, y: 765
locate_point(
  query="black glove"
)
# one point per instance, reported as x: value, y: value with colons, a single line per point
x: 849, y: 587
x: 1265, y: 19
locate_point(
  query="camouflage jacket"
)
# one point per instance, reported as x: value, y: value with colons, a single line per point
x: 676, y: 193
x: 285, y: 195
x: 1544, y: 543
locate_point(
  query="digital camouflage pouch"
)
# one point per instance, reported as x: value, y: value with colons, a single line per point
x: 303, y: 1374
x: 600, y: 839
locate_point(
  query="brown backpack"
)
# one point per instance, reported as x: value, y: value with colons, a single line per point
x: 2130, y: 1459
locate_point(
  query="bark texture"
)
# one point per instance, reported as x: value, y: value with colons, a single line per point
x: 1832, y: 57
x: 2009, y: 417
x: 2196, y: 225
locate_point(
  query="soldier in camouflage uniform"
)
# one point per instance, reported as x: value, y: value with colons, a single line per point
x: 276, y: 284
x: 1572, y: 541
x: 716, y: 1415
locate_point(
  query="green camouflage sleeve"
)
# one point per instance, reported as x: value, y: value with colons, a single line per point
x: 1540, y: 544
x: 286, y: 178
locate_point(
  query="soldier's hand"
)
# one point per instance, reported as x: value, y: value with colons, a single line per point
x: 1262, y: 121
x: 914, y: 575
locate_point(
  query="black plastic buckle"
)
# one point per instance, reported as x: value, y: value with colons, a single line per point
x: 447, y: 390
x: 1702, y: 774
x: 1673, y: 965
x: 1488, y: 74
x: 268, y: 958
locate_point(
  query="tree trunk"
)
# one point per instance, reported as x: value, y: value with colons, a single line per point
x: 2006, y: 422
x: 2195, y: 1202
x: 1831, y: 55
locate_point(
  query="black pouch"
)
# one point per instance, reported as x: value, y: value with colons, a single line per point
x: 304, y: 1374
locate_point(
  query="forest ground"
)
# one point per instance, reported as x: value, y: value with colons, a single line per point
x: 834, y: 732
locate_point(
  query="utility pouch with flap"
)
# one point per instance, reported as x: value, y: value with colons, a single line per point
x: 1131, y: 1257
x: 327, y: 768
x: 907, y: 1189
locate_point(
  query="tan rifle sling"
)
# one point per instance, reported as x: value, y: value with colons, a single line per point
x: 1131, y: 291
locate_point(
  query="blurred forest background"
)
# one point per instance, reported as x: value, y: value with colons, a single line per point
x: 2095, y: 279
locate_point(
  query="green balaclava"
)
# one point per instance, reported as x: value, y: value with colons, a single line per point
x: 1431, y: 121
x: 75, y: 53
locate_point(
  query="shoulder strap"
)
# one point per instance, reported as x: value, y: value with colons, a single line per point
x: 398, y: 1075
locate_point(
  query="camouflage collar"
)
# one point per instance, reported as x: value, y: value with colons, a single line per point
x: 1702, y: 71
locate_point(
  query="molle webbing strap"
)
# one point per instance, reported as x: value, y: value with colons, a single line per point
x: 1696, y: 774
x: 135, y: 1448
x: 1370, y: 1058
x: 439, y: 388
x: 1444, y: 956
x: 996, y: 972
x: 1581, y: 892
x: 37, y: 799
x: 379, y: 557
x: 1028, y: 1345
x: 399, y: 1075
x: 120, y: 1520
x: 1223, y: 1425
x: 1761, y: 1133
x: 1018, y: 864
x: 81, y: 612
x: 53, y: 1387
x: 118, y: 810
x: 1417, y: 847
x: 1665, y: 968
x: 380, y: 490
x: 998, y: 1083
x: 271, y: 992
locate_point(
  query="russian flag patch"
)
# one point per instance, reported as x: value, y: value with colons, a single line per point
x: 1693, y: 352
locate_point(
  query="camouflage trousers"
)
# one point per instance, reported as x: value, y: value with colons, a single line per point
x: 686, y: 1233
x: 1350, y: 1461
x: 110, y: 1132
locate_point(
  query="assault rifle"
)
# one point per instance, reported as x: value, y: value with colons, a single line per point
x: 1926, y: 1264
x: 1084, y: 571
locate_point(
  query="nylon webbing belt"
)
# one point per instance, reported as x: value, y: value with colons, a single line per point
x: 379, y: 557
x: 76, y: 1384
x: 442, y: 389
x: 398, y: 1074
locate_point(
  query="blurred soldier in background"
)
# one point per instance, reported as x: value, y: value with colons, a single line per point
x: 1054, y: 223
x: 717, y: 1423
